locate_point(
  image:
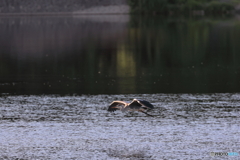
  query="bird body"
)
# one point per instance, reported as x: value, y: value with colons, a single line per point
x: 135, y: 105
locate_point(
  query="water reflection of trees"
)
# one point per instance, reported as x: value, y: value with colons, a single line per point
x: 151, y: 55
x: 186, y: 55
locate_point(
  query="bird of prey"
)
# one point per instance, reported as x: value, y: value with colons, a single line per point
x: 135, y: 105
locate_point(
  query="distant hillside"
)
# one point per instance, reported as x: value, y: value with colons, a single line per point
x: 37, y: 6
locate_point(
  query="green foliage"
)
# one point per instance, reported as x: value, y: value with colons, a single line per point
x: 147, y: 6
x: 179, y: 6
x: 216, y: 7
x: 194, y: 5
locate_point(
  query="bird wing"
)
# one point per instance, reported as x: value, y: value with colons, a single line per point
x: 136, y: 104
x: 116, y: 105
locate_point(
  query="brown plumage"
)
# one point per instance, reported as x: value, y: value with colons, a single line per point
x: 135, y: 105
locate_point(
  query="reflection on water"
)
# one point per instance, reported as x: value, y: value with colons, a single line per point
x: 118, y: 54
x: 188, y: 126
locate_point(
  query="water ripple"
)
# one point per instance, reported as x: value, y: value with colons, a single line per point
x: 186, y: 126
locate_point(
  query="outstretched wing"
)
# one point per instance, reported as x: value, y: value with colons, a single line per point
x: 115, y: 105
x: 136, y: 104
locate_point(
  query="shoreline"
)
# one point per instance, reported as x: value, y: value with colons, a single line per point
x: 99, y: 10
x: 56, y: 14
x: 36, y: 14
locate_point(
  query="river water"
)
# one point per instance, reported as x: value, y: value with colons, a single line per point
x: 119, y: 54
x: 58, y: 74
x: 185, y: 126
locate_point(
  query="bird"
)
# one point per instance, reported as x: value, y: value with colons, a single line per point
x: 135, y: 105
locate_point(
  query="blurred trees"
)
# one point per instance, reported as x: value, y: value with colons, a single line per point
x: 181, y: 6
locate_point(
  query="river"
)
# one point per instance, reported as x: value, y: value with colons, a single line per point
x: 58, y: 74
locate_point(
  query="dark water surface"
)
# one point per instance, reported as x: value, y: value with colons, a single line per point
x: 119, y: 55
x: 186, y: 126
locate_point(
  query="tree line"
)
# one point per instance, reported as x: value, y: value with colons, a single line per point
x: 182, y: 6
